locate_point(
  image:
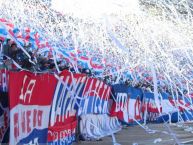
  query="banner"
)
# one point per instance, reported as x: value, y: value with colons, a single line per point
x: 62, y: 134
x: 127, y: 103
x: 95, y: 99
x: 176, y: 108
x: 95, y: 126
x: 30, y: 98
x: 64, y: 108
x: 169, y: 110
x: 150, y: 109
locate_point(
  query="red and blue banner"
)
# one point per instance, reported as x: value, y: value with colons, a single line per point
x: 169, y: 112
x: 63, y: 133
x: 128, y: 104
x: 64, y: 108
x: 150, y: 108
x: 95, y: 97
x: 30, y: 98
x: 176, y: 108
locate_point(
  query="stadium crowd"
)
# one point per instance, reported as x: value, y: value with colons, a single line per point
x: 12, y: 56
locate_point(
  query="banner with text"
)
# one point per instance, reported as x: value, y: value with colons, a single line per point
x: 30, y: 98
x: 64, y: 108
x: 95, y: 97
x: 150, y: 109
x: 127, y: 106
x: 176, y: 108
x: 95, y: 126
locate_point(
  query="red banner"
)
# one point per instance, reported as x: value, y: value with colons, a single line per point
x: 30, y: 102
x: 127, y: 106
x: 64, y: 108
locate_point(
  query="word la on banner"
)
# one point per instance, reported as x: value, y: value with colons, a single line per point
x: 30, y: 103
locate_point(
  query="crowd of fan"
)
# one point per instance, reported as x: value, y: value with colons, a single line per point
x: 12, y: 54
x: 39, y: 63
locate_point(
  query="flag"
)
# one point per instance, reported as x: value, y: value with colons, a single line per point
x: 64, y: 108
x: 95, y: 99
x: 127, y: 103
x: 30, y: 106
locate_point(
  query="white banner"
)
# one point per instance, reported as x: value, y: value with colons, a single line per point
x: 97, y: 126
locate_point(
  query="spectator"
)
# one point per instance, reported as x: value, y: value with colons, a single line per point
x: 13, y: 50
x: 7, y: 47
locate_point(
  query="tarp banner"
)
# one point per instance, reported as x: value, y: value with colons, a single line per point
x: 95, y: 97
x: 175, y: 108
x: 150, y: 108
x: 30, y: 98
x: 128, y: 104
x: 94, y: 126
x: 64, y: 108
x: 62, y: 134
